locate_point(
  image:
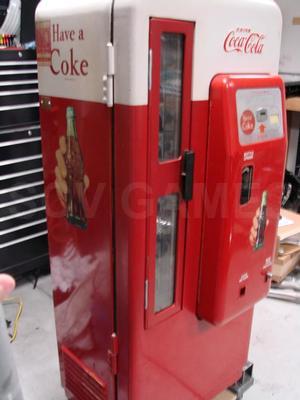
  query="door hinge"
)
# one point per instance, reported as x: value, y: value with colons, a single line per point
x: 113, y: 354
x: 146, y: 294
x: 108, y: 79
x: 150, y: 61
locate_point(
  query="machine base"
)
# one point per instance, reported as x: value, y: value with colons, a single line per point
x: 244, y: 383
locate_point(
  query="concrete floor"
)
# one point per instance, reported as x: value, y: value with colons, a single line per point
x: 275, y: 347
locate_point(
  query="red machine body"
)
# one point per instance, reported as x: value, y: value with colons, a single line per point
x: 244, y: 160
x: 150, y: 289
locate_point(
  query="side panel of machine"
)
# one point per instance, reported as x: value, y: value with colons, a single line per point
x: 77, y: 156
x: 245, y: 165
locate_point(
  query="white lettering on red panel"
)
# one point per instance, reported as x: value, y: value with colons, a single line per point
x: 244, y: 40
x: 248, y: 155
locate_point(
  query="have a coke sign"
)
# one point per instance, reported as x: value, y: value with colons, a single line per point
x: 244, y: 41
x: 60, y: 50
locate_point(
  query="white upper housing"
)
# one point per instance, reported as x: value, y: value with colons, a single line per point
x: 252, y: 29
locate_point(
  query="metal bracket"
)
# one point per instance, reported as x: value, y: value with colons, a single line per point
x: 146, y: 294
x: 108, y: 79
x: 150, y: 64
x: 113, y: 354
x: 244, y: 383
x: 45, y: 102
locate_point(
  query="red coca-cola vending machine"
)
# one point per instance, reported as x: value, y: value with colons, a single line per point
x: 164, y: 141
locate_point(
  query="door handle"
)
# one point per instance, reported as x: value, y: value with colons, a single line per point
x: 187, y: 174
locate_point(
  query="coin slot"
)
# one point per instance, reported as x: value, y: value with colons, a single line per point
x: 243, y: 291
x: 262, y: 115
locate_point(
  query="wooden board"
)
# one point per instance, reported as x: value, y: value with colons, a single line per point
x: 289, y: 249
x: 225, y: 396
x: 293, y: 104
x: 281, y: 271
x: 296, y: 21
x: 282, y: 260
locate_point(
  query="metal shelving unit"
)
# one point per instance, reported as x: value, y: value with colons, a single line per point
x: 23, y: 230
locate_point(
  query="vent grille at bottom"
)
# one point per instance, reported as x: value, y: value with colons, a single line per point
x: 80, y: 380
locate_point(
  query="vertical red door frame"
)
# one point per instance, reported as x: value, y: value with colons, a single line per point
x: 165, y: 177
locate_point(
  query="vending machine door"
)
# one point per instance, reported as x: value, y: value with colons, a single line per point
x: 244, y: 177
x: 170, y: 165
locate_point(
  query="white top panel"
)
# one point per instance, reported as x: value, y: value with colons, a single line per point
x: 84, y: 28
x: 215, y: 20
x: 72, y: 63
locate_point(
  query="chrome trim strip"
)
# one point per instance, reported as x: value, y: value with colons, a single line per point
x: 20, y: 141
x: 18, y: 71
x: 18, y: 83
x: 26, y: 62
x: 21, y: 187
x: 23, y: 226
x: 22, y: 214
x: 19, y: 107
x: 22, y: 173
x: 22, y: 200
x: 22, y: 129
x: 18, y: 92
x: 19, y: 160
x: 24, y: 239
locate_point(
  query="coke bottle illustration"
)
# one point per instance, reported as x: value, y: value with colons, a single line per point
x: 75, y: 174
x: 262, y: 221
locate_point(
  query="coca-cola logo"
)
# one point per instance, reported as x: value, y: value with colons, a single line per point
x: 244, y: 40
x: 247, y: 122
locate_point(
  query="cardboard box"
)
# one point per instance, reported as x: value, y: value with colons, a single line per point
x: 289, y: 230
x: 290, y: 55
x: 284, y: 264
